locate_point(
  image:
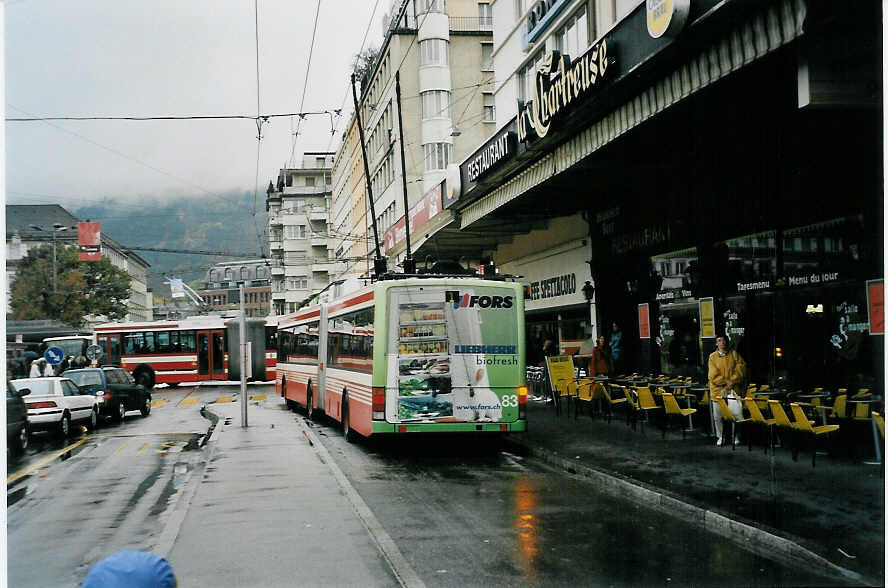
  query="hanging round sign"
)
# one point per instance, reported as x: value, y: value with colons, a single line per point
x: 666, y: 17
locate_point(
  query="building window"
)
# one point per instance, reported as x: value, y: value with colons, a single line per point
x: 527, y: 77
x: 486, y: 56
x: 423, y: 6
x: 489, y: 108
x: 437, y: 155
x: 435, y: 104
x: 297, y: 284
x: 573, y: 38
x: 244, y: 273
x: 320, y: 162
x: 229, y: 275
x: 485, y: 15
x: 310, y: 181
x: 294, y: 231
x: 434, y: 52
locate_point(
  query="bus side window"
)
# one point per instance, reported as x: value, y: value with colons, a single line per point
x: 134, y: 343
x: 174, y: 342
x: 162, y: 341
x: 187, y: 341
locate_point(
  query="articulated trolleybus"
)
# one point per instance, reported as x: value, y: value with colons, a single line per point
x: 412, y: 355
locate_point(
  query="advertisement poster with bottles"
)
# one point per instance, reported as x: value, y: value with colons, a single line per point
x: 453, y: 355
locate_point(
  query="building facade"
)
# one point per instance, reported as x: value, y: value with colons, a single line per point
x: 706, y: 166
x: 441, y: 54
x: 29, y: 226
x: 222, y: 287
x: 298, y: 232
x: 348, y: 213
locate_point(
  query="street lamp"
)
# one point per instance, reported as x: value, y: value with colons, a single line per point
x: 57, y: 228
x: 589, y: 294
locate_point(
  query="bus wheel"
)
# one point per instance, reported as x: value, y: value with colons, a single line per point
x: 347, y: 431
x: 309, y: 404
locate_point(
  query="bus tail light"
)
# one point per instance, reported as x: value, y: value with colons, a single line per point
x: 522, y: 402
x: 45, y: 404
x: 378, y: 403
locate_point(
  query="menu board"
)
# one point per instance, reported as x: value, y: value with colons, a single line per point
x: 424, y: 384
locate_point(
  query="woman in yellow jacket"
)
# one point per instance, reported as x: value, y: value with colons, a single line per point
x: 727, y: 371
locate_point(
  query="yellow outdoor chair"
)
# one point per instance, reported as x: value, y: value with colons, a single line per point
x: 862, y: 394
x: 612, y: 402
x: 839, y: 408
x: 646, y: 404
x: 783, y: 423
x: 880, y: 425
x: 804, y: 425
x: 585, y: 394
x: 758, y: 418
x: 673, y: 409
x: 727, y: 415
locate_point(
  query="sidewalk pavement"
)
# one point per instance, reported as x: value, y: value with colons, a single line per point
x: 828, y: 518
x: 269, y: 511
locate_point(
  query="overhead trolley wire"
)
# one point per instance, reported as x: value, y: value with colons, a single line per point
x: 292, y: 163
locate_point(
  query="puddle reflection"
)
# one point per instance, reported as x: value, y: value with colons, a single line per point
x: 526, y: 497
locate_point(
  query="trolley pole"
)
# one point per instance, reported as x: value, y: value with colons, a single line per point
x: 243, y: 359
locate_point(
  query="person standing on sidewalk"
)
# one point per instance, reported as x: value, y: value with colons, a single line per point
x: 601, y: 363
x: 616, y: 349
x: 727, y: 371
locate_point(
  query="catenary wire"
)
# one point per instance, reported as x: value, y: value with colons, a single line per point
x: 304, y: 85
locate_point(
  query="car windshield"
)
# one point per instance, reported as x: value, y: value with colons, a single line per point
x: 37, y: 387
x: 90, y: 378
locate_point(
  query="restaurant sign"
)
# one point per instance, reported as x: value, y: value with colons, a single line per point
x: 496, y: 151
x: 420, y: 214
x: 560, y: 86
x: 666, y: 17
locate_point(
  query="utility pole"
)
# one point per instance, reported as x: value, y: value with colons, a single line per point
x: 57, y: 227
x: 379, y: 262
x: 243, y: 359
x: 409, y: 262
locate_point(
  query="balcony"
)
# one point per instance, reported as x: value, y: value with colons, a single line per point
x: 317, y: 241
x: 471, y: 24
x: 275, y: 243
x: 317, y: 213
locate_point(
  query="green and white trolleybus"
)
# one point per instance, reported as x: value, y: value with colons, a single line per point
x: 412, y: 355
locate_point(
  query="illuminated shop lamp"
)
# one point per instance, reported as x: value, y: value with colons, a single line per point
x: 814, y: 309
x: 778, y: 351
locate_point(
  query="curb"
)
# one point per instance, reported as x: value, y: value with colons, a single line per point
x: 760, y: 541
x: 170, y: 532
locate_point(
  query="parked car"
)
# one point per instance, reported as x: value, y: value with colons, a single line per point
x: 56, y: 403
x: 17, y: 428
x: 115, y: 390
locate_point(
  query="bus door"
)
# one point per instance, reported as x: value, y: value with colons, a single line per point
x: 110, y: 344
x: 210, y: 355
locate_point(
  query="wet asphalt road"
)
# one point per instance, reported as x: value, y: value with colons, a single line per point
x: 462, y: 512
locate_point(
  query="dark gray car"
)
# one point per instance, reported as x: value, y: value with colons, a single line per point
x: 16, y: 418
x: 115, y: 388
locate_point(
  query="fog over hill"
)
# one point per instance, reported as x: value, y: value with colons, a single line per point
x: 223, y: 222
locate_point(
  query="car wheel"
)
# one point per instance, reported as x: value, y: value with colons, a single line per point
x: 65, y: 426
x: 93, y: 420
x: 21, y: 440
x: 347, y: 431
x: 146, y: 406
x: 121, y: 412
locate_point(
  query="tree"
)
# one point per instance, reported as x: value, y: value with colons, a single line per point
x: 362, y: 66
x: 84, y: 287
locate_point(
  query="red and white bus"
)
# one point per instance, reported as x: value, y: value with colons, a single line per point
x: 409, y: 355
x: 188, y: 350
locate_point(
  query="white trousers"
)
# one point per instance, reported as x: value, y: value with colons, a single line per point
x: 733, y: 405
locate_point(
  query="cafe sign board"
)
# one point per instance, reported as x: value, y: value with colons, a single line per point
x: 707, y: 318
x: 560, y: 86
x: 554, y: 279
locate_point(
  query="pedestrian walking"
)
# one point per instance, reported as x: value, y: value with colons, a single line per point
x: 616, y: 349
x: 66, y: 364
x: 36, y: 368
x: 727, y: 371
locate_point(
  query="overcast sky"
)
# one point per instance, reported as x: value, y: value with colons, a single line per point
x: 169, y: 57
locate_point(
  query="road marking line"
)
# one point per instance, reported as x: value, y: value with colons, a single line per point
x: 224, y: 399
x: 189, y: 401
x: 24, y: 471
x: 188, y: 398
x: 159, y: 402
x: 122, y: 447
x: 259, y: 397
x: 145, y: 446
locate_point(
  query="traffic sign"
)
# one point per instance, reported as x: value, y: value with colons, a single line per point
x: 94, y: 352
x: 54, y: 355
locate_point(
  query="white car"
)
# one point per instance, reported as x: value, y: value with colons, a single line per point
x: 56, y: 403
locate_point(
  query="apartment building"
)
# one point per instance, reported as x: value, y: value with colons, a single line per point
x: 441, y: 51
x: 349, y: 235
x: 223, y: 281
x: 298, y: 206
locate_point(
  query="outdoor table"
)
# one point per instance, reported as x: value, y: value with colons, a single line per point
x: 700, y: 391
x: 820, y: 407
x: 872, y: 400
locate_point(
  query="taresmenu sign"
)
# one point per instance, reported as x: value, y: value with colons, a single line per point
x: 561, y: 85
